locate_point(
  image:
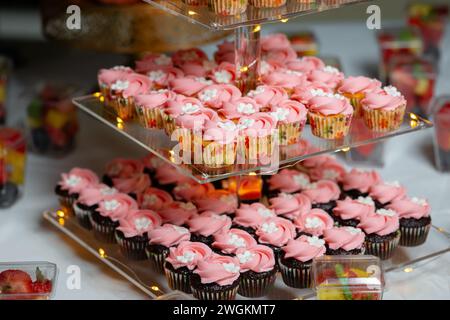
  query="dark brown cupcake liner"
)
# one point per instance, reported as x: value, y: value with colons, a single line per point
x: 157, y: 259
x: 82, y: 216
x: 131, y: 248
x: 66, y: 204
x: 255, y: 288
x: 226, y: 294
x: 413, y: 236
x: 296, y: 277
x: 178, y: 281
x: 103, y: 232
x: 385, y: 249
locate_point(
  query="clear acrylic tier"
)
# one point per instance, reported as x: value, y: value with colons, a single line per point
x: 154, y: 285
x: 252, y: 16
x: 157, y: 142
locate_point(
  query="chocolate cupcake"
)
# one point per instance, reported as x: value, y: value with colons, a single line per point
x: 204, y: 226
x: 229, y: 241
x: 181, y: 262
x: 385, y: 192
x: 216, y: 278
x: 168, y: 177
x: 161, y: 240
x: 134, y: 185
x: 296, y: 259
x: 151, y: 163
x: 219, y: 201
x: 178, y: 212
x: 344, y: 241
x: 121, y: 168
x: 154, y: 199
x: 290, y: 206
x: 382, y: 233
x: 349, y: 212
x: 250, y: 216
x: 415, y: 220
x: 258, y: 270
x: 132, y: 232
x: 323, y: 194
x: 313, y: 223
x: 190, y: 191
x: 287, y: 181
x: 357, y: 183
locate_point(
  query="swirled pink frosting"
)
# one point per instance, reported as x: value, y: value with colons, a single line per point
x: 188, y: 86
x: 260, y: 124
x: 224, y: 73
x: 304, y: 248
x: 330, y: 105
x: 289, y: 111
x: 244, y: 106
x: 154, y: 199
x: 218, y: 201
x: 168, y: 174
x: 360, y: 180
x: 308, y: 90
x: 188, y: 254
x: 151, y: 162
x: 387, y: 191
x: 223, y: 270
x: 123, y: 168
x: 382, y: 222
x: 359, y: 84
x: 266, y: 67
x: 354, y: 209
x: 322, y: 191
x: 169, y: 235
x: 314, y: 222
x: 216, y: 95
x: 188, y: 55
x: 330, y: 76
x: 153, y: 61
x: 290, y: 205
x: 209, y: 223
x: 78, y: 179
x: 387, y: 99
x: 116, y: 206
x: 407, y: 208
x: 189, y: 191
x: 134, y: 184
x: 289, y: 181
x: 152, y: 100
x: 197, y: 68
x: 268, y: 96
x: 257, y: 258
x: 163, y: 76
x: 94, y: 194
x: 196, y: 121
x: 109, y: 76
x: 177, y: 212
x: 282, y: 55
x: 182, y: 106
x: 223, y: 132
x: 329, y: 170
x: 347, y: 238
x: 232, y: 240
x: 252, y: 215
x: 276, y: 231
x: 225, y: 52
x: 305, y: 64
x: 284, y: 78
x: 134, y: 84
x: 275, y: 41
x: 138, y: 222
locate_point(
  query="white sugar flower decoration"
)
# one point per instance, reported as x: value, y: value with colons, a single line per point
x: 269, y: 227
x: 246, y: 108
x: 157, y: 75
x: 245, y: 123
x: 392, y: 91
x: 420, y: 201
x: 187, y: 205
x: 330, y: 69
x: 366, y: 200
x: 107, y: 191
x: 315, y: 241
x: 245, y: 257
x: 265, y: 213
x: 231, y: 267
x: 190, y: 108
x: 181, y: 230
x: 223, y: 76
x: 386, y: 212
x: 280, y: 114
x: 301, y: 180
x: 163, y: 60
x: 313, y: 223
x: 111, y: 205
x: 120, y: 85
x: 187, y: 257
x: 227, y: 125
x: 353, y: 231
x: 73, y: 180
x: 236, y: 241
x: 330, y: 174
x: 254, y: 93
x: 142, y: 223
x: 208, y: 95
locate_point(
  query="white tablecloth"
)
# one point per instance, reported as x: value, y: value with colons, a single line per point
x: 25, y: 236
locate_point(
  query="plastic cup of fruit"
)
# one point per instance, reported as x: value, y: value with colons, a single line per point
x: 27, y: 280
x: 12, y: 165
x: 441, y: 119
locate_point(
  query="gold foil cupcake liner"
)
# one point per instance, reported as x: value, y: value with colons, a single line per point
x: 329, y: 127
x: 216, y: 155
x: 124, y: 107
x: 290, y: 133
x: 296, y: 277
x: 384, y: 250
x: 227, y: 7
x: 254, y: 149
x: 66, y: 204
x: 384, y: 121
x: 413, y: 236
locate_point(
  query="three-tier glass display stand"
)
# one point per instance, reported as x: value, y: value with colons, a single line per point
x: 247, y: 28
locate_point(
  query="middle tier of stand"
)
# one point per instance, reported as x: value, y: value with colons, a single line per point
x: 158, y: 143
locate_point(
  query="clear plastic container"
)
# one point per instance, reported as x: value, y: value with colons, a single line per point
x: 5, y: 70
x: 441, y: 118
x: 40, y: 272
x: 348, y: 278
x: 12, y: 165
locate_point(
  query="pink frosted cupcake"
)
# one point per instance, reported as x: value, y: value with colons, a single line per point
x: 238, y: 108
x: 204, y: 226
x: 168, y: 177
x: 382, y: 232
x: 313, y: 223
x: 357, y: 183
x: 151, y: 162
x: 384, y: 111
x: 134, y: 185
x: 285, y: 78
x: 216, y: 95
x: 356, y: 88
x: 415, y: 220
x: 198, y: 68
x: 110, y: 210
x: 287, y: 181
x: 290, y: 206
x: 386, y: 192
x: 149, y: 108
x: 328, y: 75
x: 330, y: 116
x: 178, y: 212
x: 258, y: 270
x: 268, y: 96
x: 184, y: 56
x: 227, y: 7
x: 330, y: 169
x: 154, y: 199
x: 228, y: 242
x: 290, y: 116
x: 179, y: 107
x: 224, y: 73
x: 162, y: 77
x: 163, y: 238
x: 71, y: 184
x: 190, y: 191
x: 182, y: 261
x: 225, y: 52
x: 344, y: 241
x: 349, y: 212
x: 106, y: 77
x: 305, y: 65
x: 132, y: 232
x: 275, y: 233
x: 218, y: 201
x: 251, y: 216
x: 189, y: 86
x: 305, y: 92
x: 216, y: 278
x: 296, y: 260
x: 121, y: 168
x: 323, y: 194
x: 153, y: 61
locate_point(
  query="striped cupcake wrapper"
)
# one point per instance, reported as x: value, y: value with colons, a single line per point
x: 384, y: 250
x: 227, y: 7
x: 229, y: 294
x: 154, y: 118
x: 254, y: 288
x: 218, y: 155
x: 169, y: 125
x: 132, y: 249
x: 384, y: 121
x: 413, y: 236
x: 157, y: 260
x: 106, y: 94
x: 103, y: 233
x: 66, y: 204
x: 296, y: 277
x: 290, y: 133
x: 178, y: 281
x: 267, y: 3
x: 82, y: 216
x: 329, y: 127
x: 124, y: 107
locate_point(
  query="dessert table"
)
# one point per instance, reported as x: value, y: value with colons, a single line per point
x: 24, y: 235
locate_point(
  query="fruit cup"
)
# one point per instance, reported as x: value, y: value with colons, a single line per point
x: 305, y: 44
x: 5, y: 68
x: 348, y: 277
x: 27, y: 280
x: 441, y: 118
x: 52, y: 121
x: 12, y: 165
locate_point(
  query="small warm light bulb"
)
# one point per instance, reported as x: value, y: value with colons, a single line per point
x: 154, y: 288
x: 244, y: 69
x: 102, y: 253
x: 413, y: 123
x: 408, y: 269
x: 102, y: 99
x: 252, y: 174
x: 192, y: 13
x: 61, y: 221
x: 413, y: 116
x: 60, y: 213
x: 346, y: 149
x: 97, y: 94
x: 257, y: 28
x: 284, y: 20
x: 119, y: 123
